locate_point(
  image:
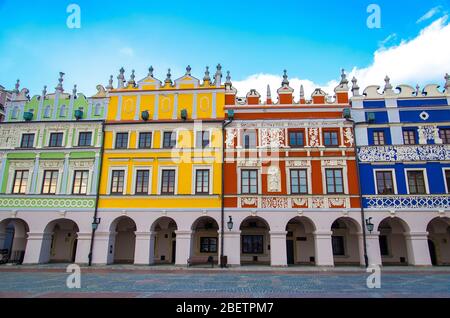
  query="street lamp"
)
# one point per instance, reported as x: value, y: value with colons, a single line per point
x: 230, y: 223
x: 369, y: 225
x: 95, y: 223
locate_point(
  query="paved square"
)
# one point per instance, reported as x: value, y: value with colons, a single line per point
x: 48, y: 282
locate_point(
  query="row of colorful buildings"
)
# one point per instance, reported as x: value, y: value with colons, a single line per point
x: 182, y: 170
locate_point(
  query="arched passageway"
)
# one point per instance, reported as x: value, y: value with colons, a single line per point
x: 125, y: 240
x: 346, y: 242
x: 300, y: 246
x: 165, y: 240
x: 63, y: 241
x: 393, y: 247
x: 439, y: 241
x: 205, y: 240
x: 255, y: 241
x: 13, y: 239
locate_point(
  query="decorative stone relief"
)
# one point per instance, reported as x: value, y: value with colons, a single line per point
x: 51, y: 164
x: 313, y: 134
x: 275, y: 203
x: 231, y: 135
x: 336, y: 202
x: 429, y: 133
x: 300, y: 201
x: 318, y: 203
x: 298, y: 163
x: 76, y: 164
x: 404, y: 153
x: 274, y: 179
x: 408, y: 202
x: 273, y: 138
x: 332, y: 163
x: 248, y: 163
x: 33, y: 203
x: 349, y: 138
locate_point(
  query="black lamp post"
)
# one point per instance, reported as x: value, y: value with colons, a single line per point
x: 230, y: 223
x: 369, y: 225
x: 95, y: 223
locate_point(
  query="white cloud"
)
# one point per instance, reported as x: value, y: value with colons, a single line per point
x: 422, y: 60
x: 431, y: 13
x: 126, y: 51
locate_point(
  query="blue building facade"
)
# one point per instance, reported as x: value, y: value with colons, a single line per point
x: 403, y: 145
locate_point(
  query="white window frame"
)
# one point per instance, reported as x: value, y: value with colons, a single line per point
x: 259, y: 171
x: 44, y: 115
x: 133, y: 179
x: 99, y: 108
x: 162, y: 138
x: 160, y: 169
x: 35, y: 132
x: 42, y: 170
x: 138, y: 134
x: 53, y: 131
x: 125, y: 179
x: 11, y: 180
x: 77, y: 136
x: 344, y: 177
x: 394, y: 179
x: 209, y: 130
x: 425, y: 178
x: 194, y: 175
x: 308, y: 178
x: 114, y: 139
x: 445, y: 179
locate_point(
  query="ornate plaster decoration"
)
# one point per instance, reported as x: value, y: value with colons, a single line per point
x: 249, y: 201
x: 430, y: 132
x: 404, y: 153
x: 231, y: 134
x: 52, y: 203
x: 273, y: 138
x: 75, y: 164
x: 318, y: 203
x: 336, y: 202
x: 21, y: 164
x: 248, y: 163
x: 300, y: 201
x: 313, y: 134
x: 408, y: 202
x: 298, y: 163
x: 275, y: 203
x: 332, y: 163
x: 274, y: 179
x: 349, y: 138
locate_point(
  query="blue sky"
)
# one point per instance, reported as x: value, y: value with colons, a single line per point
x: 311, y: 39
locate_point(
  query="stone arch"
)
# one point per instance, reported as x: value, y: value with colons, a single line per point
x: 300, y: 245
x: 346, y: 241
x: 439, y: 241
x: 205, y: 239
x: 164, y: 247
x: 13, y: 237
x: 123, y: 236
x: 59, y: 244
x: 255, y: 241
x: 392, y: 238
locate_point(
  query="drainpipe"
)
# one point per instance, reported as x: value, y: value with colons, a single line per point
x: 97, y: 195
x: 361, y: 201
x: 225, y: 123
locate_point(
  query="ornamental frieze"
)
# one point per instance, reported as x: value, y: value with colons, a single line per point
x: 287, y: 202
x: 404, y: 153
x: 39, y: 203
x: 408, y: 202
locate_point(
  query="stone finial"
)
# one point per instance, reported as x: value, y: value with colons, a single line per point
x: 110, y: 83
x: 121, y: 78
x: 207, y: 78
x: 132, y: 81
x: 150, y: 71
x: 17, y: 86
x: 269, y: 94
x: 188, y: 70
x: 388, y: 85
x: 44, y: 91
x: 355, y: 87
x: 228, y: 78
x: 447, y: 82
x: 74, y: 90
x: 218, y: 75
x: 302, y: 92
x: 285, y: 81
x: 60, y: 87
x: 169, y: 77
x: 417, y: 90
x: 344, y: 79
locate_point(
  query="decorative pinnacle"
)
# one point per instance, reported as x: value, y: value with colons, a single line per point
x: 121, y: 78
x: 417, y: 89
x: 150, y: 71
x: 447, y: 81
x: 228, y: 78
x: 269, y: 94
x: 44, y: 91
x: 207, y: 77
x: 285, y: 78
x: 388, y: 85
x: 17, y: 86
x: 110, y: 83
x: 355, y: 87
x: 218, y: 75
x: 168, y: 78
x: 302, y: 92
x: 188, y: 70
x: 344, y: 79
x: 60, y: 82
x: 132, y: 77
x: 74, y: 90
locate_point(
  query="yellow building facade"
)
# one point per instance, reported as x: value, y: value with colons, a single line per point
x: 160, y: 184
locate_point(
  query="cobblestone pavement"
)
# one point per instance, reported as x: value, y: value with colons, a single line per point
x: 132, y: 281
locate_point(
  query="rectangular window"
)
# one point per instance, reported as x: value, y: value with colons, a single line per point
x: 122, y: 140
x: 145, y: 140
x: 330, y: 138
x: 409, y: 137
x: 335, y: 183
x: 447, y: 179
x: 56, y: 140
x: 249, y: 181
x: 378, y: 138
x: 84, y: 139
x: 50, y: 181
x: 208, y: 245
x: 384, y: 248
x: 20, y: 182
x: 169, y: 139
x: 299, y: 182
x: 117, y: 181
x: 338, y: 245
x: 416, y: 182
x: 168, y: 182
x: 202, y: 181
x: 250, y: 140
x: 27, y: 141
x: 142, y: 181
x: 80, y: 182
x: 385, y: 183
x: 252, y: 244
x: 296, y: 139
x: 445, y: 135
x: 202, y: 139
